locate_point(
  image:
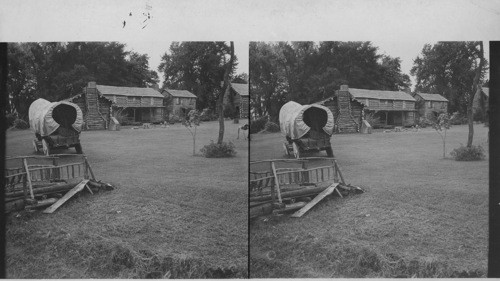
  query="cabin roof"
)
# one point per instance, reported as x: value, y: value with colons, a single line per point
x: 128, y: 91
x: 180, y: 93
x: 486, y: 91
x: 241, y: 89
x: 381, y: 95
x: 432, y: 97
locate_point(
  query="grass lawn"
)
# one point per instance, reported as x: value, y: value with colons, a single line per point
x: 171, y: 215
x: 421, y: 215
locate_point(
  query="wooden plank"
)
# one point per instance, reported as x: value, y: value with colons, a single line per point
x: 340, y: 172
x: 276, y: 182
x: 290, y: 207
x: 30, y: 186
x: 66, y: 196
x: 90, y: 168
x: 315, y: 201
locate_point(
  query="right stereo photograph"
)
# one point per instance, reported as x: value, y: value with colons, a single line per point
x: 368, y: 159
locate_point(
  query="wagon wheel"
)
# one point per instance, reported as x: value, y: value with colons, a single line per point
x: 45, y: 147
x: 78, y: 148
x: 287, y: 152
x: 35, y: 146
x: 296, y: 150
x: 329, y: 151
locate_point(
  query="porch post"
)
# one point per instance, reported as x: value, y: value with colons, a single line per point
x: 386, y: 117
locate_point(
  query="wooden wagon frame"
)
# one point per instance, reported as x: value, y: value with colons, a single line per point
x: 282, y: 189
x: 312, y: 141
x: 29, y: 183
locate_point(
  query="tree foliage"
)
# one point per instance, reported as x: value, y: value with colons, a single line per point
x: 448, y: 69
x: 56, y: 71
x: 307, y: 72
x: 197, y: 67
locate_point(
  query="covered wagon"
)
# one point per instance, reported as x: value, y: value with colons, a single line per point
x: 306, y: 128
x: 55, y: 124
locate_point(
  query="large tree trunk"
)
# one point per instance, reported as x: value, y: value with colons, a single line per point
x: 220, y: 101
x: 476, y: 89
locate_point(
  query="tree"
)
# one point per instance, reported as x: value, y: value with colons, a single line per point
x: 241, y: 78
x: 441, y: 125
x: 226, y: 91
x: 56, y: 71
x: 476, y: 90
x: 454, y: 70
x: 307, y: 72
x: 191, y: 122
x: 197, y: 67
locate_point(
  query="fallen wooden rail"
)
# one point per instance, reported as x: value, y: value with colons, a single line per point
x: 31, y: 180
x: 281, y: 188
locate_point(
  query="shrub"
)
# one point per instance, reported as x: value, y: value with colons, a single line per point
x: 258, y: 125
x: 214, y: 150
x: 473, y: 153
x: 424, y: 122
x: 272, y: 127
x: 174, y: 119
x: 372, y: 120
x: 10, y: 117
x: 21, y: 124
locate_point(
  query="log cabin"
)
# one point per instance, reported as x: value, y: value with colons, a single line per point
x: 178, y: 103
x: 430, y: 105
x: 350, y: 106
x: 240, y: 98
x: 131, y: 104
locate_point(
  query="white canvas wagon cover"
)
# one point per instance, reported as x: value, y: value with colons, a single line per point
x: 46, y: 117
x: 296, y: 119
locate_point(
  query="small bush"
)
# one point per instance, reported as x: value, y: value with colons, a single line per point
x: 21, y: 124
x: 258, y: 125
x: 10, y: 117
x: 473, y: 153
x: 174, y: 119
x: 272, y: 127
x: 424, y: 122
x: 214, y: 150
x: 372, y: 119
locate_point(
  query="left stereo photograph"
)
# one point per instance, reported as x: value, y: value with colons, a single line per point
x: 127, y: 160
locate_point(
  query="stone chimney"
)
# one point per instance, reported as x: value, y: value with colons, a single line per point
x: 91, y: 89
x: 344, y: 88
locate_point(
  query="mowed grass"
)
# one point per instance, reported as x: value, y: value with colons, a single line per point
x: 421, y: 215
x: 171, y: 215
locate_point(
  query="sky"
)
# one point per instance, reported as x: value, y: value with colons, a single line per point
x: 398, y: 28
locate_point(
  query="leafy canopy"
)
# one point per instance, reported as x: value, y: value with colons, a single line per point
x: 307, y: 72
x: 56, y: 71
x: 197, y: 67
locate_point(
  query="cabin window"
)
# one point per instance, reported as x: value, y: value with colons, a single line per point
x: 367, y: 102
x: 429, y: 104
x: 390, y: 103
x: 404, y: 104
x: 152, y: 101
x: 114, y: 99
x: 130, y: 99
x: 177, y: 101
